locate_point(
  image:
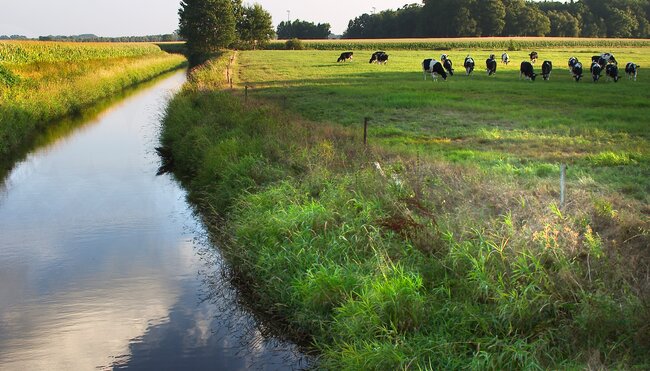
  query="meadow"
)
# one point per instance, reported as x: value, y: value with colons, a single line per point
x: 44, y: 81
x: 441, y: 244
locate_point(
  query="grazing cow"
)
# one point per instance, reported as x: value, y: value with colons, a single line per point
x: 547, y: 67
x: 491, y: 65
x: 572, y: 62
x: 595, y: 70
x: 576, y: 71
x: 631, y: 70
x: 611, y: 71
x: 533, y: 57
x: 447, y: 64
x: 604, y: 59
x: 345, y: 56
x: 526, y: 70
x: 379, y: 57
x: 433, y: 67
x: 469, y: 65
x: 505, y: 58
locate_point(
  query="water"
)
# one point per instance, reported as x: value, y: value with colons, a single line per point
x: 104, y: 266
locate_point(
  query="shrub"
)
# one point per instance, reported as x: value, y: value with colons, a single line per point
x: 293, y: 44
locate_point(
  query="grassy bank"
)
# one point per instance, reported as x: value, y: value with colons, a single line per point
x: 387, y: 258
x: 40, y: 82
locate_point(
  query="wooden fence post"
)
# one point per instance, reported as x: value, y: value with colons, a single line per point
x: 365, y: 130
x: 563, y: 168
x: 246, y: 94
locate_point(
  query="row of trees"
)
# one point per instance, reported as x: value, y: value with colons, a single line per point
x: 303, y: 30
x: 13, y: 37
x: 450, y: 18
x: 209, y: 25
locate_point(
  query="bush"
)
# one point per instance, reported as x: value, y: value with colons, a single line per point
x: 293, y: 44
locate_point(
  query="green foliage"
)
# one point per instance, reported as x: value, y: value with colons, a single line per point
x: 294, y: 44
x: 255, y: 27
x: 207, y: 26
x: 303, y: 30
x: 7, y: 77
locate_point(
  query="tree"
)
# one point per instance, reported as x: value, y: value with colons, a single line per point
x: 207, y: 26
x: 534, y: 22
x: 255, y: 26
x: 622, y: 23
x: 563, y: 24
x: 303, y: 30
x: 492, y: 14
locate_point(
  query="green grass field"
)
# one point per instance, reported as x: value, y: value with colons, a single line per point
x: 505, y: 124
x: 44, y: 81
x: 442, y: 244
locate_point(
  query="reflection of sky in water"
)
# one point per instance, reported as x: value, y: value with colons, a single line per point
x: 99, y: 264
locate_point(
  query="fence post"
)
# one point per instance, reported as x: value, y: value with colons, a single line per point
x: 246, y: 94
x: 563, y: 168
x: 365, y: 130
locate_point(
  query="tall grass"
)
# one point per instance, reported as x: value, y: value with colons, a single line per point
x: 40, y: 82
x: 389, y: 260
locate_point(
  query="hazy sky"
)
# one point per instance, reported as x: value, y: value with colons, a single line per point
x: 34, y: 18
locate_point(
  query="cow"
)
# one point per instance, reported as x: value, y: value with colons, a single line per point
x: 505, y: 58
x: 611, y: 71
x: 604, y: 59
x: 379, y: 57
x: 631, y: 70
x: 576, y: 71
x: 435, y: 68
x: 491, y: 65
x: 547, y: 67
x: 447, y: 64
x: 533, y: 57
x: 572, y: 62
x: 469, y: 65
x: 526, y: 69
x: 595, y: 70
x: 345, y: 56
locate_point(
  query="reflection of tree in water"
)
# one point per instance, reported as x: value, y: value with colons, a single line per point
x: 212, y: 325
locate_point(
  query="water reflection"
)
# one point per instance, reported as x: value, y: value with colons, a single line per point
x: 103, y: 264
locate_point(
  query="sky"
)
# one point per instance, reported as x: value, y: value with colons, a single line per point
x: 34, y: 18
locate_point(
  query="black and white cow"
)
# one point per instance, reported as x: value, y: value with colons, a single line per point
x: 533, y: 57
x: 435, y: 68
x: 491, y: 65
x: 345, y: 56
x: 447, y: 64
x: 526, y: 70
x: 576, y: 71
x: 547, y: 67
x: 379, y: 57
x: 611, y: 71
x: 604, y: 59
x: 469, y: 65
x: 631, y: 70
x: 505, y: 58
x: 595, y: 70
x: 572, y: 62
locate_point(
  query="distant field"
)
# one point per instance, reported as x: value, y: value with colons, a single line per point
x: 43, y: 81
x: 512, y: 43
x: 501, y: 123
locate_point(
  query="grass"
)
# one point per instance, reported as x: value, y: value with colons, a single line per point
x: 411, y: 253
x: 500, y: 122
x: 41, y: 82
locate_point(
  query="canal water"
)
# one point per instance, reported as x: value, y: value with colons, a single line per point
x: 103, y: 264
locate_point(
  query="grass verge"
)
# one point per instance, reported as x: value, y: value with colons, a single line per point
x: 388, y: 259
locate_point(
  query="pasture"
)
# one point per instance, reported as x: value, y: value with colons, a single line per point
x: 441, y: 244
x: 503, y: 124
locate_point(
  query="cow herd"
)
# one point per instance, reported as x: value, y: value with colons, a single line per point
x: 444, y: 67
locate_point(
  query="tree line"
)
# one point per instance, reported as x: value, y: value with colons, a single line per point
x: 303, y: 30
x: 455, y: 18
x: 95, y: 38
